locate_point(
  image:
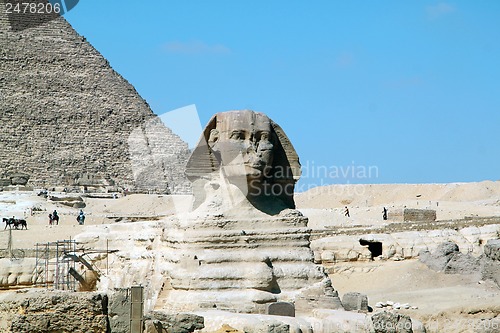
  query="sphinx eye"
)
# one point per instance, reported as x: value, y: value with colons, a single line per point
x: 263, y: 136
x: 237, y: 135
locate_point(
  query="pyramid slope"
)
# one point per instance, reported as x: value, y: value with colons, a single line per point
x: 66, y: 116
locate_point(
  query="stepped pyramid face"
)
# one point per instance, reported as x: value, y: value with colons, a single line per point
x: 68, y: 118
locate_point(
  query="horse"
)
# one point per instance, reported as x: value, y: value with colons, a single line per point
x: 22, y: 223
x: 7, y: 222
x: 15, y: 222
x: 55, y: 219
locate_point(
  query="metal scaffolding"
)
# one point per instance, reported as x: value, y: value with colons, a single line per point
x: 55, y: 263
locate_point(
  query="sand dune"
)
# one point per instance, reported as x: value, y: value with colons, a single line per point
x: 335, y: 196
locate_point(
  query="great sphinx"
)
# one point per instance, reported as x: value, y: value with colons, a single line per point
x: 243, y: 157
x: 244, y: 245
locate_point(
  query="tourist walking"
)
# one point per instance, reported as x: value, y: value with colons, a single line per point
x: 384, y: 214
x: 346, y: 212
x: 50, y: 219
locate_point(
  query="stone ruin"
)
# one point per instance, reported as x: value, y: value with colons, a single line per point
x: 68, y: 119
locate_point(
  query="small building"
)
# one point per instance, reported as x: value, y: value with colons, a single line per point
x: 412, y: 214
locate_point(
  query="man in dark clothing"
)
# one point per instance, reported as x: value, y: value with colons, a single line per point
x: 346, y: 212
x: 81, y: 218
x: 55, y: 218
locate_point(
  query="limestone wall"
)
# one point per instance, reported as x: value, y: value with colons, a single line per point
x: 401, y: 245
x: 47, y: 312
x: 419, y: 215
x: 67, y: 115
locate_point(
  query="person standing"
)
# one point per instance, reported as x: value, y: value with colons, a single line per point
x: 384, y: 214
x: 81, y: 218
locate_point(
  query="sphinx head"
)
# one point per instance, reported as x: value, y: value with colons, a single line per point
x: 249, y: 151
x: 240, y: 143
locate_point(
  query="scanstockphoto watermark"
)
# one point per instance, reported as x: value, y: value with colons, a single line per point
x: 463, y: 324
x: 367, y: 326
x: 26, y: 14
x: 437, y: 325
x: 275, y: 183
x: 314, y: 175
x: 353, y: 171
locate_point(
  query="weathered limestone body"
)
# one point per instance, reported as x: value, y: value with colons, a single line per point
x: 243, y: 265
x: 244, y: 246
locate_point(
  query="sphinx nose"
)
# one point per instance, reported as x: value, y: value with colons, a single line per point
x: 251, y: 149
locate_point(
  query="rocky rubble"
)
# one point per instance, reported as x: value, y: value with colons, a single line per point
x: 160, y: 322
x: 492, y: 249
x: 448, y: 259
x: 390, y: 322
x: 395, y: 305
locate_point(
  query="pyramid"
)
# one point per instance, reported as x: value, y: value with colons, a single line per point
x: 68, y: 119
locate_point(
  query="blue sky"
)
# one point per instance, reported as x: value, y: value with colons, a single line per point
x: 406, y: 91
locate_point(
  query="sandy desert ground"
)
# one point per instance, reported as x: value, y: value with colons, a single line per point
x: 446, y: 302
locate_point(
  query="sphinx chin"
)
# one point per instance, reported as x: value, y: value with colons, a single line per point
x: 253, y: 173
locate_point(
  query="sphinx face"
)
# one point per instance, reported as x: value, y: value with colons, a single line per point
x: 241, y: 143
x: 243, y: 155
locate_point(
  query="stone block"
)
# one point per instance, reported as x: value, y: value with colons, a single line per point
x: 179, y: 322
x: 19, y: 179
x: 419, y: 215
x: 492, y: 249
x: 281, y: 309
x: 446, y: 248
x: 119, y: 310
x: 353, y: 301
x: 48, y: 312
